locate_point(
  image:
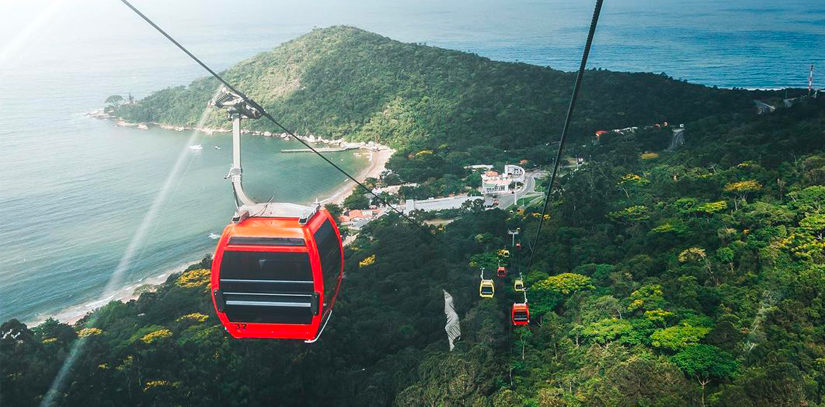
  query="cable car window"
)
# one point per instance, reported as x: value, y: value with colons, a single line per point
x: 267, y: 287
x: 266, y: 266
x: 329, y: 251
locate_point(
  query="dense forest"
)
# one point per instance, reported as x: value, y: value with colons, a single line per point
x: 691, y: 276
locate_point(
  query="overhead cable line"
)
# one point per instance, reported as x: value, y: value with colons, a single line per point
x: 576, y: 86
x: 266, y: 114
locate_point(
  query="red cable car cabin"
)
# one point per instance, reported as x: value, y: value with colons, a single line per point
x: 276, y: 275
x: 520, y: 314
x: 501, y: 271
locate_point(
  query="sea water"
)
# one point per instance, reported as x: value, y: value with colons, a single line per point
x: 73, y: 190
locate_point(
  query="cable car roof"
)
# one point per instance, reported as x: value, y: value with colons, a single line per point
x: 277, y: 210
x: 282, y: 228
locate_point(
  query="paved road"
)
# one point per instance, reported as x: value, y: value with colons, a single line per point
x: 527, y: 190
x: 442, y: 203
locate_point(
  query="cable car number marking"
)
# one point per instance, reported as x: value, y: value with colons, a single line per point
x: 240, y: 327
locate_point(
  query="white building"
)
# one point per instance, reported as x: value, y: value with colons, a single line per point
x: 479, y: 167
x: 515, y: 173
x: 493, y: 183
x: 438, y: 204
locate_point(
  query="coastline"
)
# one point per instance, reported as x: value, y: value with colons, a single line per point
x: 379, y: 156
x: 378, y: 164
x: 379, y: 153
x: 70, y: 315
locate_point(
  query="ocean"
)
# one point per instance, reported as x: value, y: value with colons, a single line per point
x: 74, y: 191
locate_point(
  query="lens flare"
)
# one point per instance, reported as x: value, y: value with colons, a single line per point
x: 135, y: 245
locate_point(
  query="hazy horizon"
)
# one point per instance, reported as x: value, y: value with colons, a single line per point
x: 47, y: 32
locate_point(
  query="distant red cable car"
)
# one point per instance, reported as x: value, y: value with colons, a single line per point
x: 278, y: 267
x: 501, y: 271
x: 518, y: 245
x: 520, y: 314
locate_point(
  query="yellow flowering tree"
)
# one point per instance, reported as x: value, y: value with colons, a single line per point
x: 193, y: 317
x: 742, y: 189
x: 193, y: 278
x: 710, y: 208
x: 538, y: 215
x: 86, y: 332
x: 801, y: 245
x: 565, y: 283
x: 367, y: 262
x: 631, y: 181
x: 631, y: 214
x: 156, y: 336
x: 658, y: 316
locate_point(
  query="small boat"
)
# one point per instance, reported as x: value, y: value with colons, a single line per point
x: 214, y: 236
x: 217, y: 148
x: 196, y: 147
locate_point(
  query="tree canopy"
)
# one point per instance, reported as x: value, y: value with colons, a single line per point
x: 695, y: 277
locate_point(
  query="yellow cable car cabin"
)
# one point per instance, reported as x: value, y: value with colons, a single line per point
x: 504, y: 254
x: 518, y: 285
x: 486, y: 289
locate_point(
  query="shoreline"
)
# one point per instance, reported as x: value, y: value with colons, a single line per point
x: 379, y: 156
x: 378, y: 164
x: 311, y: 138
x: 71, y: 314
x: 379, y: 153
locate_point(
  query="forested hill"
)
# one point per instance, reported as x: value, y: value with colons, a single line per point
x: 686, y: 277
x: 346, y: 82
x: 693, y: 277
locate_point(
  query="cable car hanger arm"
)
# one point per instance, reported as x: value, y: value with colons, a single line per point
x: 237, y: 109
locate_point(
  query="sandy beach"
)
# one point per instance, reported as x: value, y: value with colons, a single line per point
x: 378, y: 163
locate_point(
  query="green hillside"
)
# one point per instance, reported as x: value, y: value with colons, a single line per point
x: 694, y: 277
x: 687, y: 277
x: 345, y: 82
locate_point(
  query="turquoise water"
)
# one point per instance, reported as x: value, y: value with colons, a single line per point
x: 72, y: 216
x: 73, y: 190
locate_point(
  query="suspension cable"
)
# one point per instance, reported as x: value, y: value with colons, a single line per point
x: 563, y: 139
x: 266, y: 114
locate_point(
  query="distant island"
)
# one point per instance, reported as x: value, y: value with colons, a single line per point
x: 682, y: 260
x: 343, y: 82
